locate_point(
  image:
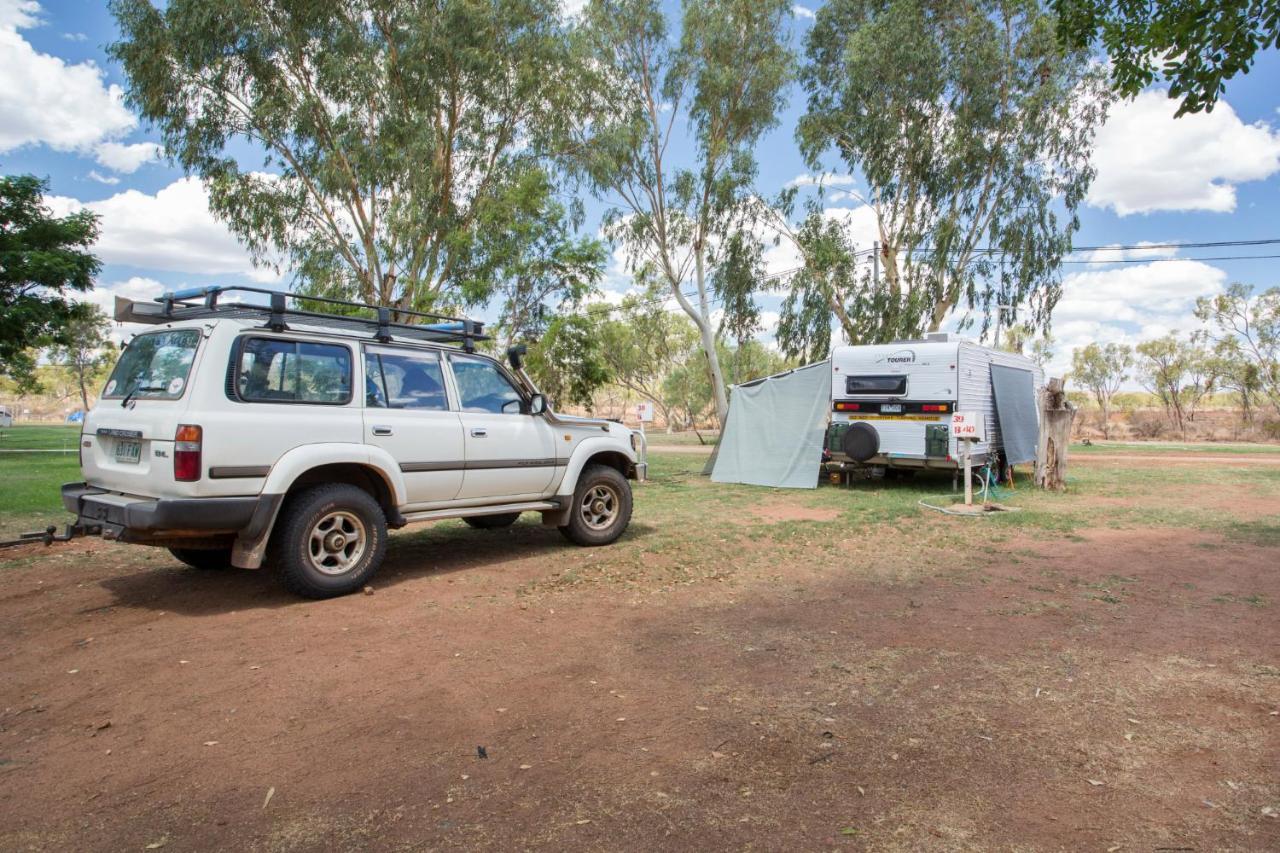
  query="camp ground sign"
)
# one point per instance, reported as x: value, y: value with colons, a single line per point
x: 644, y: 412
x: 969, y: 425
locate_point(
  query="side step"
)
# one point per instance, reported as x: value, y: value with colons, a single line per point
x: 492, y: 509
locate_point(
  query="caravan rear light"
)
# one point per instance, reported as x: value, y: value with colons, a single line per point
x: 934, y: 407
x: 848, y: 407
x: 186, y: 453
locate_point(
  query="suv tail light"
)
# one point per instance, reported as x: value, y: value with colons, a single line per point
x: 186, y: 453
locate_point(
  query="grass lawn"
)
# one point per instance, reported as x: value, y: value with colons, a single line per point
x: 30, y: 482
x: 1174, y: 447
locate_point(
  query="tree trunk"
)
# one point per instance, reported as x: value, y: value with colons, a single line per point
x: 1056, y: 415
x: 84, y: 392
x: 708, y: 335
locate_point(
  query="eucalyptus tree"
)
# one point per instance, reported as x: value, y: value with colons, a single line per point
x: 971, y: 129
x: 1243, y: 328
x: 643, y: 344
x: 1102, y: 369
x: 720, y: 82
x: 390, y: 130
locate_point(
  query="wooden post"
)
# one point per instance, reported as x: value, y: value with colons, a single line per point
x: 1056, y: 415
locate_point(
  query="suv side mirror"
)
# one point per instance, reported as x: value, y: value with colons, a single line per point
x: 537, y: 405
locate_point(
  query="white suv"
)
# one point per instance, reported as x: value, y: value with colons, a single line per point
x: 235, y: 434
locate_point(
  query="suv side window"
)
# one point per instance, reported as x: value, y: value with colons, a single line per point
x: 483, y: 388
x: 271, y: 370
x: 404, y: 379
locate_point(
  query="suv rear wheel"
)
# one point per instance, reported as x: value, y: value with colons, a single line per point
x: 601, y: 507
x: 491, y: 522
x: 203, y: 558
x: 330, y: 541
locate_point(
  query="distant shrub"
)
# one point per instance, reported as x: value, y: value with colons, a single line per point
x: 1147, y: 425
x: 1270, y: 429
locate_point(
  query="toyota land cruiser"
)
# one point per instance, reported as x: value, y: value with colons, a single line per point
x: 238, y: 434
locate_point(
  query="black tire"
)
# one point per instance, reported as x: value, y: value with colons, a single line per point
x: 612, y: 520
x: 204, y: 558
x: 321, y: 527
x: 491, y: 522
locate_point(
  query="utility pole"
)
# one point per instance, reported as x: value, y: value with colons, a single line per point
x: 1000, y: 309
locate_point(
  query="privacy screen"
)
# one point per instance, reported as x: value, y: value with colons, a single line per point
x: 773, y: 435
x: 1016, y: 409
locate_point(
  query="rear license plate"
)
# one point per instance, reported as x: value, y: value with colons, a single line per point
x: 891, y: 408
x: 128, y: 451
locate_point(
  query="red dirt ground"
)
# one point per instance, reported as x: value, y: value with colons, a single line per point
x: 1119, y: 690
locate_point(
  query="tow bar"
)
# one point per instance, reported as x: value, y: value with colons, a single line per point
x: 50, y: 535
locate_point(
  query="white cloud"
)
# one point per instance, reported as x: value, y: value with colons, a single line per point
x: 803, y: 12
x: 136, y: 288
x: 45, y: 100
x: 19, y: 14
x: 1138, y: 292
x: 171, y: 230
x: 826, y: 179
x: 1147, y: 160
x: 572, y: 8
x: 1128, y: 304
x: 110, y: 180
x: 120, y: 157
x: 1144, y: 250
x: 75, y: 36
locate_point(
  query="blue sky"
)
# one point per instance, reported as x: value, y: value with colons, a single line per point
x: 1199, y: 178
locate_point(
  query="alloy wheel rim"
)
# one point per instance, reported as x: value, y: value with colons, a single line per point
x: 599, y: 507
x: 337, y: 542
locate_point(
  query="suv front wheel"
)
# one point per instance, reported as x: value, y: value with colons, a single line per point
x: 330, y: 541
x: 601, y: 507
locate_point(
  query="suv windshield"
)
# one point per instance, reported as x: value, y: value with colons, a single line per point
x: 154, y: 365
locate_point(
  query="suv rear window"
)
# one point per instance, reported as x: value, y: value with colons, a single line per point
x: 155, y: 365
x: 892, y: 385
x: 271, y: 370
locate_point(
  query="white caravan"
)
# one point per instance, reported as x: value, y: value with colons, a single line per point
x: 891, y: 404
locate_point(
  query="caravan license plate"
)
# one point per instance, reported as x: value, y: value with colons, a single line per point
x: 890, y: 408
x: 128, y: 451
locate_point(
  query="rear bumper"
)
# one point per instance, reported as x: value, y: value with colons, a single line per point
x: 129, y: 517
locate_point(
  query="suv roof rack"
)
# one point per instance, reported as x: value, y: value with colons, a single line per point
x: 200, y: 302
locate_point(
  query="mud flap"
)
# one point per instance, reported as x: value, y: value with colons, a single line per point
x: 250, y: 547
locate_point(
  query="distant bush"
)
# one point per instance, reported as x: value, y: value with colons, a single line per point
x: 1271, y: 429
x: 1147, y: 425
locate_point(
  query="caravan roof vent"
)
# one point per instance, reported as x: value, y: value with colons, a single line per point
x: 940, y: 337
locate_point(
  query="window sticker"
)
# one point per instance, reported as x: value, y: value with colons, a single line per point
x: 111, y: 386
x: 175, y: 386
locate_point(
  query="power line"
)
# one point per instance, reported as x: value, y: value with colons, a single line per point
x: 1166, y: 260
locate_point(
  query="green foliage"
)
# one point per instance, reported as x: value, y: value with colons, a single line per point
x: 397, y: 138
x: 645, y: 344
x: 568, y: 363
x: 1243, y: 330
x: 973, y: 129
x: 43, y: 261
x: 1102, y: 370
x: 1196, y: 45
x: 1179, y: 373
x: 88, y: 352
x: 724, y: 81
x: 537, y: 269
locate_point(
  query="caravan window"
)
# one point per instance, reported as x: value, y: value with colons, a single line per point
x: 894, y: 386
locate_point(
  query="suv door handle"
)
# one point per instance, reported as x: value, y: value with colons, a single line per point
x: 479, y: 433
x: 382, y: 430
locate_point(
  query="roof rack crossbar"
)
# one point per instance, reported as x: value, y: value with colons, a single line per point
x: 443, y: 329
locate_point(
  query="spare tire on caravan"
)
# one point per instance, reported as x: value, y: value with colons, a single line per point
x: 891, y: 404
